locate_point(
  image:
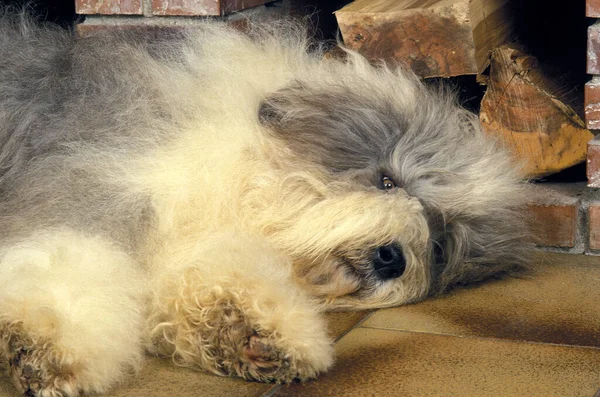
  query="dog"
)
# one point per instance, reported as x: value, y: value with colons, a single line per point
x: 207, y: 196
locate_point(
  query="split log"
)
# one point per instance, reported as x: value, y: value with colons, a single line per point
x: 435, y: 38
x: 522, y: 107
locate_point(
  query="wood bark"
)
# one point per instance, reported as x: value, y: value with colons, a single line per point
x: 521, y: 107
x: 433, y: 37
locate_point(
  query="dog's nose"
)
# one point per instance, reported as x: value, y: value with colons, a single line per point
x: 389, y: 262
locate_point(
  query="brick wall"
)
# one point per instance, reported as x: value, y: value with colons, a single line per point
x: 589, y: 205
x: 164, y: 7
x: 592, y: 88
x: 559, y: 217
x: 171, y: 14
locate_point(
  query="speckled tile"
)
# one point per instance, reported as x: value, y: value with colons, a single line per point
x: 340, y: 322
x: 160, y: 378
x: 560, y: 304
x: 375, y: 362
x: 6, y: 387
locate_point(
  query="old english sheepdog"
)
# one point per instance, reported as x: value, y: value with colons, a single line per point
x: 207, y: 196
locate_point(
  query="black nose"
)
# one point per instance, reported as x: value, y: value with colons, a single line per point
x: 389, y: 262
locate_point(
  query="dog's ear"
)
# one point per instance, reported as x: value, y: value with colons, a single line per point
x: 268, y: 112
x: 279, y: 106
x: 332, y: 126
x: 475, y: 249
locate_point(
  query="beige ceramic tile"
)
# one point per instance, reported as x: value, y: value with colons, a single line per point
x: 340, y: 322
x: 6, y: 387
x: 160, y: 378
x: 558, y: 304
x: 374, y: 362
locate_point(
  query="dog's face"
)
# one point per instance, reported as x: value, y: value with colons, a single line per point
x: 386, y: 191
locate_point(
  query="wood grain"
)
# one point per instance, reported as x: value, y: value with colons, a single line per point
x: 433, y: 37
x: 520, y: 108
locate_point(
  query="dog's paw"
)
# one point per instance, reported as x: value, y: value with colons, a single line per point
x: 261, y: 360
x: 33, y: 376
x: 266, y: 357
x: 247, y: 350
x: 37, y: 369
x: 262, y: 340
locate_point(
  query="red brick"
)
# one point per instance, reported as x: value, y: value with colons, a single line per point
x: 553, y: 214
x: 592, y: 8
x: 592, y: 103
x: 593, y: 49
x: 594, y: 226
x: 109, y: 7
x: 593, y: 162
x: 202, y: 7
x: 554, y: 225
x: 157, y: 27
x: 85, y: 29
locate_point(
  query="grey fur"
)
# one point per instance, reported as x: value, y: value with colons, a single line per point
x: 435, y: 152
x: 60, y: 96
x: 81, y: 122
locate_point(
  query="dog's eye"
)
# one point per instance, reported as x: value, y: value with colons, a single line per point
x: 387, y: 183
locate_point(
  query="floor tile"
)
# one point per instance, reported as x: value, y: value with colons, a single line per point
x: 160, y: 378
x: 560, y: 303
x: 339, y: 323
x: 374, y: 362
x: 6, y: 387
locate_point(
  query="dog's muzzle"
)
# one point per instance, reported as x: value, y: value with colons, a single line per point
x: 389, y: 262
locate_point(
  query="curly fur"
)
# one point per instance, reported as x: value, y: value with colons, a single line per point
x: 206, y: 196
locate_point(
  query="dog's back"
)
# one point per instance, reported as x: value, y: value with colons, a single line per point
x: 75, y: 113
x: 72, y: 112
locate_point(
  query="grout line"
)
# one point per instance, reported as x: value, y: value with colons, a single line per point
x: 487, y: 338
x: 362, y: 320
x: 271, y: 391
x: 147, y: 8
x: 275, y: 389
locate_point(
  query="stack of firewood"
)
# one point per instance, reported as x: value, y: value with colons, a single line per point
x: 522, y: 106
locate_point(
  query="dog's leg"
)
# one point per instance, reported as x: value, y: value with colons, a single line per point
x: 230, y: 307
x: 71, y: 314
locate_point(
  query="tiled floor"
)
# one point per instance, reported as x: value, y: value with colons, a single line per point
x: 538, y: 336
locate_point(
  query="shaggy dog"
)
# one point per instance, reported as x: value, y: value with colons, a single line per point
x: 206, y: 197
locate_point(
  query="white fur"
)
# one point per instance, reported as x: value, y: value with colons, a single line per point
x: 85, y: 296
x: 158, y: 209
